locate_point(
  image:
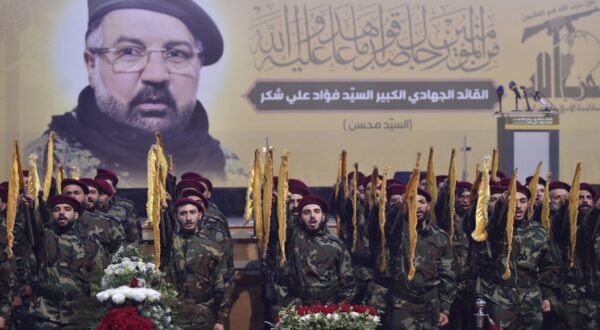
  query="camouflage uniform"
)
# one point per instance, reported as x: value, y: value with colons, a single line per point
x: 104, y: 229
x: 197, y: 267
x: 516, y: 303
x: 212, y: 227
x: 68, y: 263
x: 6, y: 271
x: 124, y: 211
x: 416, y: 304
x: 318, y: 269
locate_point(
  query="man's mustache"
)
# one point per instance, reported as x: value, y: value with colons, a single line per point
x: 153, y: 94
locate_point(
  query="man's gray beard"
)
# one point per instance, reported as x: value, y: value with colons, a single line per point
x: 122, y: 113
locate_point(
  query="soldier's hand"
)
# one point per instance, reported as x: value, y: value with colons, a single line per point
x: 546, y: 305
x: 443, y: 320
x: 27, y: 291
x: 2, y: 323
x: 16, y: 302
x: 219, y: 326
x: 597, y: 204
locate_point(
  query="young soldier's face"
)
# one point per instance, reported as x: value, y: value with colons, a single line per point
x: 422, y: 207
x: 462, y: 200
x: 76, y: 192
x: 64, y: 215
x: 312, y: 216
x: 539, y: 193
x: 557, y: 198
x: 92, y: 199
x: 103, y: 199
x: 188, y: 217
x: 493, y: 200
x: 585, y: 201
x: 521, y: 207
x: 294, y: 201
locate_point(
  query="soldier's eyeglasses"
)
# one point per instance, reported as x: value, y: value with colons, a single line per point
x: 128, y: 59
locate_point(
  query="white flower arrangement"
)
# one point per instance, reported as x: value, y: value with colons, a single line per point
x: 121, y: 293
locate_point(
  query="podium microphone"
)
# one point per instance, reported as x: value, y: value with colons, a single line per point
x: 538, y: 97
x: 500, y: 92
x: 513, y: 87
x: 526, y: 98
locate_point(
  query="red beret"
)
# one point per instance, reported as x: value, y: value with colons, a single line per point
x: 190, y: 176
x: 424, y: 193
x: 313, y: 199
x: 588, y: 187
x: 541, y: 180
x: 524, y: 190
x: 185, y: 201
x: 440, y: 178
x: 359, y: 176
x: 91, y: 183
x: 499, y: 174
x: 106, y: 174
x: 189, y: 184
x: 504, y: 182
x: 62, y: 199
x: 3, y: 194
x: 300, y: 190
x: 297, y: 182
x: 393, y: 181
x: 559, y: 185
x: 193, y: 192
x: 104, y: 187
x: 395, y: 189
x: 206, y: 182
x: 494, y: 189
x: 367, y: 179
x: 463, y: 185
x: 68, y: 182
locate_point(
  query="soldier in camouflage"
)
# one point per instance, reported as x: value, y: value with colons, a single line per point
x: 121, y: 208
x: 6, y: 268
x: 68, y: 264
x: 589, y: 240
x: 101, y: 227
x: 197, y: 267
x: 423, y: 302
x: 318, y: 268
x: 518, y: 302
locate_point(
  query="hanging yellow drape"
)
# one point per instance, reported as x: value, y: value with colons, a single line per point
x: 12, y: 202
x: 451, y: 191
x: 410, y: 198
x: 546, y: 206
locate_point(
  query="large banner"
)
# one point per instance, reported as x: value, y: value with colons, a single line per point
x: 380, y: 79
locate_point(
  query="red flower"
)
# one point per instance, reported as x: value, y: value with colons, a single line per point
x: 345, y: 308
x: 126, y: 318
x: 134, y: 283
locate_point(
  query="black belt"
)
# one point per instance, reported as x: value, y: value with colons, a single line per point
x: 320, y: 295
x: 425, y: 297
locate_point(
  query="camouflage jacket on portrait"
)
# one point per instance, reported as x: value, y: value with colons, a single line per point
x: 197, y: 267
x: 434, y: 280
x: 68, y: 263
x: 318, y: 268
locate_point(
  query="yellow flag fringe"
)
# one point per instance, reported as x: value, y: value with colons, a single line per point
x: 382, y: 204
x: 533, y: 189
x: 483, y: 199
x: 49, y: 166
x: 510, y: 220
x: 573, y: 212
x: 282, y: 192
x: 267, y: 199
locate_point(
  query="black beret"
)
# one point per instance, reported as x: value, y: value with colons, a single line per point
x: 188, y: 11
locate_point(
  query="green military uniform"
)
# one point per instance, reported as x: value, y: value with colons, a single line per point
x: 6, y: 271
x: 516, y: 303
x: 197, y: 267
x: 318, y: 269
x: 106, y: 230
x: 416, y: 304
x: 68, y: 263
x: 124, y: 211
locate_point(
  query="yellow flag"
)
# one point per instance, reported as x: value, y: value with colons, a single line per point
x: 372, y: 195
x: 338, y: 182
x: 533, y: 189
x: 452, y: 189
x: 248, y: 208
x: 49, y: 165
x: 12, y: 201
x: 510, y: 220
x: 282, y: 192
x: 495, y: 165
x: 257, y: 198
x: 60, y: 176
x: 162, y: 168
x: 354, y: 205
x: 267, y: 199
x: 153, y: 205
x: 382, y: 203
x: 475, y: 187
x: 431, y: 186
x: 33, y: 184
x: 483, y: 200
x: 546, y: 206
x: 410, y: 198
x: 573, y: 212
